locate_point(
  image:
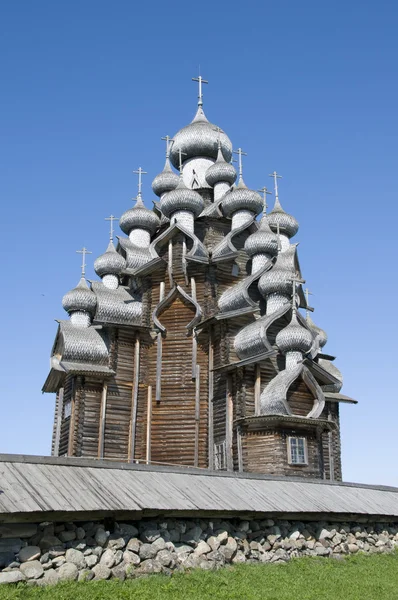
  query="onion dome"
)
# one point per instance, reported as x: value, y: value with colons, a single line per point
x: 139, y: 217
x: 220, y: 171
x: 241, y: 198
x: 109, y: 263
x: 81, y: 298
x: 199, y: 139
x: 182, y: 198
x: 294, y: 337
x: 166, y: 181
x: 287, y: 224
x: 263, y: 241
x: 279, y: 278
x: 323, y: 336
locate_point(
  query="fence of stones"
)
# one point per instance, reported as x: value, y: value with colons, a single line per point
x: 46, y: 553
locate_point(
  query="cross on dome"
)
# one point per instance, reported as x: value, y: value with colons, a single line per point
x: 307, y: 301
x: 264, y: 191
x: 240, y: 153
x: 83, y: 251
x: 295, y: 281
x: 168, y: 141
x: 140, y: 173
x: 180, y: 153
x: 276, y: 177
x: 200, y: 80
x: 111, y: 218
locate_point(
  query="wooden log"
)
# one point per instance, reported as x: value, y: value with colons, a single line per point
x: 210, y: 402
x: 197, y: 415
x: 148, y: 426
x: 228, y: 424
x: 257, y: 390
x: 134, y: 407
x: 101, y: 436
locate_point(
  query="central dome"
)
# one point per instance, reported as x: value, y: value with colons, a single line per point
x: 199, y: 139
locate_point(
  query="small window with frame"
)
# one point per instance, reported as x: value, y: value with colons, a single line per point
x: 67, y: 409
x: 297, y: 451
x: 220, y: 457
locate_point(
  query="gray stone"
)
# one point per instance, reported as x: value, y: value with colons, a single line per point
x: 101, y: 572
x: 214, y: 542
x: 80, y: 533
x: 91, y: 561
x: 48, y: 542
x: 352, y: 548
x: 101, y: 536
x: 6, y: 558
x: 175, y: 535
x: 229, y: 549
x: 324, y: 534
x: 131, y: 558
x: 85, y: 575
x: 117, y: 542
x: 17, y: 530
x: 98, y: 550
x: 108, y: 558
x: 192, y: 536
x: 192, y: 561
x: 56, y: 551
x: 133, y: 545
x: 67, y: 536
x: 202, y: 548
x: 32, y: 569
x: 11, y: 545
x: 165, y: 558
x: 294, y: 535
x: 239, y: 557
x: 119, y: 572
x: 68, y: 572
x: 127, y: 529
x: 322, y: 551
x: 150, y: 566
x: 207, y: 565
x: 29, y: 553
x: 11, y: 577
x: 150, y: 535
x: 222, y: 537
x: 76, y: 557
x: 50, y: 577
x: 58, y: 561
x: 183, y: 549
x: 272, y: 538
x: 147, y: 551
x: 159, y: 544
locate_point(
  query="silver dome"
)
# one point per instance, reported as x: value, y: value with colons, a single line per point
x: 139, y: 217
x: 263, y: 241
x: 279, y: 278
x: 294, y: 337
x: 323, y: 336
x: 199, y: 138
x: 220, y: 171
x: 287, y: 223
x: 241, y: 198
x: 81, y: 298
x: 109, y: 263
x: 182, y: 198
x: 166, y: 181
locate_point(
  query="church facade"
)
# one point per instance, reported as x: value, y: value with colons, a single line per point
x: 191, y: 349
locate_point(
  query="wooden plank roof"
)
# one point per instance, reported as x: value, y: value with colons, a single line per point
x: 34, y: 487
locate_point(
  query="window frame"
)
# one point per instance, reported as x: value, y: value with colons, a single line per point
x: 290, y: 453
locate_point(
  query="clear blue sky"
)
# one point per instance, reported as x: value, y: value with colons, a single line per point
x: 307, y: 88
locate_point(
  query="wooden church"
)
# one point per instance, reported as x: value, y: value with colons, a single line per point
x: 191, y: 348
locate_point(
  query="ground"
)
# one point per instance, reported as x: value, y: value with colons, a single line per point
x: 358, y: 577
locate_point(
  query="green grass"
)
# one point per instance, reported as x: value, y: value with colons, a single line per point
x: 355, y: 578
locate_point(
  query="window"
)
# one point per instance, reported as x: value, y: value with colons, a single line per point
x: 297, y: 449
x: 67, y: 409
x: 220, y: 457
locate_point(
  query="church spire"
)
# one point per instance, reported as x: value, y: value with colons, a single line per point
x: 200, y: 81
x: 80, y: 303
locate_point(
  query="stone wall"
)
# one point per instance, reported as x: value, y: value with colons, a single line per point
x: 49, y: 552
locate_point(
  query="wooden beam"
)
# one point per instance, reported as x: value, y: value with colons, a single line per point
x: 197, y: 415
x: 330, y: 448
x: 228, y: 424
x: 148, y: 425
x: 58, y: 420
x: 170, y: 263
x: 101, y: 435
x: 210, y: 432
x: 159, y: 351
x: 257, y: 390
x: 239, y: 444
x: 194, y: 339
x: 134, y: 398
x: 72, y: 419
